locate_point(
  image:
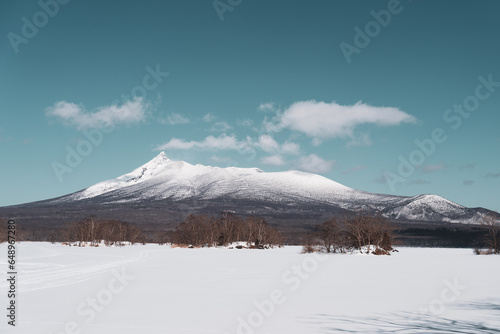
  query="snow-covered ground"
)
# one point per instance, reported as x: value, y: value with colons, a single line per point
x: 158, y: 289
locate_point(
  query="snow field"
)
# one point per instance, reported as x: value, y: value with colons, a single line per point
x: 158, y: 289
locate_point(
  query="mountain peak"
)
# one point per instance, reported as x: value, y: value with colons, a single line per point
x: 161, y: 156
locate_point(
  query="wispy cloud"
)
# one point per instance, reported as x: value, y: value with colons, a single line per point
x: 418, y: 181
x: 244, y: 122
x: 267, y: 143
x: 220, y: 127
x: 217, y: 159
x: 468, y: 182
x: 433, y: 168
x: 76, y: 115
x: 467, y: 167
x: 290, y: 148
x: 380, y: 179
x: 274, y: 160
x: 320, y: 120
x: 268, y: 106
x: 315, y: 164
x: 208, y: 118
x: 362, y: 139
x: 176, y: 118
x: 223, y: 142
x: 354, y: 169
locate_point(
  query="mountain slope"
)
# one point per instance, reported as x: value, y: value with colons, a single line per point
x: 163, y: 190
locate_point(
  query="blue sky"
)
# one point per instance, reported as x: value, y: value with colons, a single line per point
x: 339, y: 88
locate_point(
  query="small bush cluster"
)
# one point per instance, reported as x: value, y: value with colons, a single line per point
x: 370, y: 235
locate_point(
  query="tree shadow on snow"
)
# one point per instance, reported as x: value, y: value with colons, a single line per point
x: 414, y: 323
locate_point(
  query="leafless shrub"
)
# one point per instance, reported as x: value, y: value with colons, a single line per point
x: 373, y: 233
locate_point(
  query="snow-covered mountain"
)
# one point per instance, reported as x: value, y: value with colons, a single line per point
x: 162, y: 180
x: 160, y: 193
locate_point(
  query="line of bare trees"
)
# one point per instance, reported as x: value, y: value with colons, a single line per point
x: 202, y: 230
x: 363, y: 233
x: 337, y: 235
x: 94, y: 231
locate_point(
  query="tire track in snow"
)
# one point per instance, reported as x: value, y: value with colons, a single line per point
x: 68, y: 275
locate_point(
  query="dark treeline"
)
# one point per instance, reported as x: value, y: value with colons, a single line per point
x: 338, y: 234
x: 202, y: 230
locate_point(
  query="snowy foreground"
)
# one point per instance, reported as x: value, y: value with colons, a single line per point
x: 157, y: 289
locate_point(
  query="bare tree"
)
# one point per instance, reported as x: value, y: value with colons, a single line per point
x: 330, y: 234
x: 376, y: 234
x: 492, y: 237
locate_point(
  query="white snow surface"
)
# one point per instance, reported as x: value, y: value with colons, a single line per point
x: 65, y: 289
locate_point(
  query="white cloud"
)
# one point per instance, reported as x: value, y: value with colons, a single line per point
x: 290, y: 148
x: 176, y: 118
x: 315, y: 164
x: 274, y: 160
x: 244, y: 122
x: 360, y: 140
x: 269, y: 106
x: 73, y: 114
x: 321, y: 120
x: 208, y: 118
x: 217, y: 159
x: 223, y: 142
x: 267, y: 143
x: 433, y: 168
x: 221, y: 127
